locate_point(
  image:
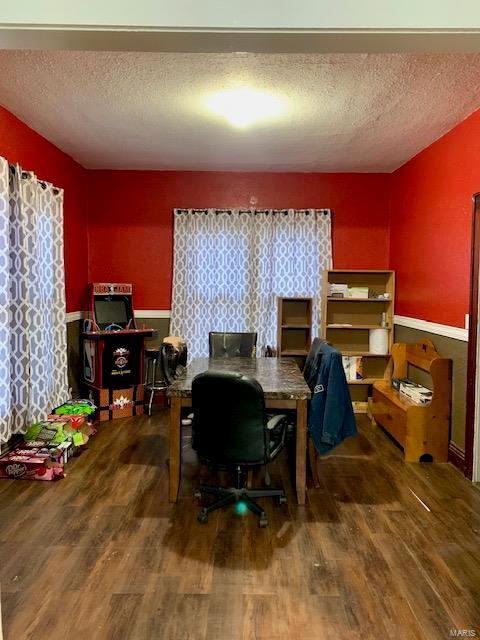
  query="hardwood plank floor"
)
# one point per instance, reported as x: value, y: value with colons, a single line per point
x: 382, y: 549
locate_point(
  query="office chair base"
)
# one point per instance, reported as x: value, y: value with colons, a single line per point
x: 231, y: 495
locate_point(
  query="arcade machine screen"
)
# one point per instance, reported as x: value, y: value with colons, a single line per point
x: 110, y: 311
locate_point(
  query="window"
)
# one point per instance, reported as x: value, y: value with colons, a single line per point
x: 230, y: 266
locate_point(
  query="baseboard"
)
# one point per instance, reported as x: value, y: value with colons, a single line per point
x: 456, y: 456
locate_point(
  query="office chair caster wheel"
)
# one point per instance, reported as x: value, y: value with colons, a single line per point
x: 197, y: 494
x: 202, y: 517
x: 282, y: 500
x: 263, y: 522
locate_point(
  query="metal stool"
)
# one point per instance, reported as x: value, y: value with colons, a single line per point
x: 152, y: 382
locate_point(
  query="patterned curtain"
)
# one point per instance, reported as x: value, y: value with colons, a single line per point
x: 33, y: 344
x: 230, y: 266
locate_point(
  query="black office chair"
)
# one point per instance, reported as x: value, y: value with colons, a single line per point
x: 309, y: 367
x: 230, y: 430
x: 231, y: 345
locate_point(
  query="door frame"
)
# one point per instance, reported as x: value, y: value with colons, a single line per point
x: 472, y: 413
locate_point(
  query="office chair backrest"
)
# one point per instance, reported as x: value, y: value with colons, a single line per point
x: 231, y: 345
x: 229, y: 418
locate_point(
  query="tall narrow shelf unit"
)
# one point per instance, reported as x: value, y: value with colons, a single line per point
x: 294, y: 328
x: 346, y: 324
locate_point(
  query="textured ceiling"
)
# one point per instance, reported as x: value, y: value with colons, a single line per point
x: 347, y: 112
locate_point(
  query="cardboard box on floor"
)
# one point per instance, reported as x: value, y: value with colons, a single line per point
x: 116, y: 403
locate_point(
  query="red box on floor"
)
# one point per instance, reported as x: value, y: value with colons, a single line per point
x: 32, y: 463
x: 116, y: 403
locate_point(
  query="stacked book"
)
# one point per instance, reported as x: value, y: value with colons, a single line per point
x: 358, y: 292
x: 412, y: 390
x: 338, y: 290
x: 353, y: 367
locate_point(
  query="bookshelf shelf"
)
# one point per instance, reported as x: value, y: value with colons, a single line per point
x: 365, y: 353
x: 295, y: 326
x: 356, y: 326
x: 294, y: 352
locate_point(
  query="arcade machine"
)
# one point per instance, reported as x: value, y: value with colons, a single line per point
x: 112, y: 349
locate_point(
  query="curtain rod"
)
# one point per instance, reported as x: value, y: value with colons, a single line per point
x: 254, y: 211
x: 42, y: 183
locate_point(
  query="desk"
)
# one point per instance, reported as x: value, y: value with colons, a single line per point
x: 283, y: 386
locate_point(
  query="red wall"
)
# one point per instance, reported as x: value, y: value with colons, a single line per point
x: 130, y: 229
x: 131, y: 221
x: 426, y: 237
x: 19, y: 143
x: 430, y: 234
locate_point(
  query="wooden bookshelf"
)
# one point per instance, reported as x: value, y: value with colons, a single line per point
x: 346, y: 324
x: 294, y: 332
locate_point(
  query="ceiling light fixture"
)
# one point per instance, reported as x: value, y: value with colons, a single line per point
x: 243, y: 107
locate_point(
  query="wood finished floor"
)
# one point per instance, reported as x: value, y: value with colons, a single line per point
x: 102, y: 554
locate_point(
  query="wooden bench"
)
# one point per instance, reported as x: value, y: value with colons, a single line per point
x: 422, y: 430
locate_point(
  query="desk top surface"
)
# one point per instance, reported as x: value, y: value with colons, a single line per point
x: 279, y: 377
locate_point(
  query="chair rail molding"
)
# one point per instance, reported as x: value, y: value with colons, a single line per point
x: 73, y: 316
x: 457, y: 333
x: 152, y: 313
